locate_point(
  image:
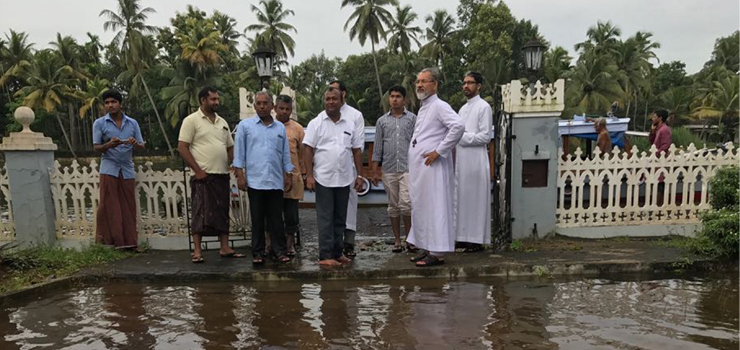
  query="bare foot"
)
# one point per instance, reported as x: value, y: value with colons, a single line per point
x: 344, y: 260
x: 329, y: 263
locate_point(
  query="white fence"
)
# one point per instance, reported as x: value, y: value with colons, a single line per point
x: 629, y: 189
x: 160, y: 200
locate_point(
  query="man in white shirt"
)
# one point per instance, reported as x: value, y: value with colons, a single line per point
x: 332, y: 146
x: 472, y: 169
x: 356, y: 117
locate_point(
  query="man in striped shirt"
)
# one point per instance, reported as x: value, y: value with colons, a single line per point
x: 393, y: 132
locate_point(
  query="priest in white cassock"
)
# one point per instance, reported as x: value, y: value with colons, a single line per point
x: 472, y: 169
x: 356, y: 117
x: 431, y: 174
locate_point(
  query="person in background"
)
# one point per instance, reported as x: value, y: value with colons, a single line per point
x: 115, y: 136
x: 603, y: 140
x: 206, y: 146
x: 295, y: 133
x: 393, y: 133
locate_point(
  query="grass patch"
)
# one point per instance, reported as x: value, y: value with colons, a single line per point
x: 24, y: 268
x: 518, y: 245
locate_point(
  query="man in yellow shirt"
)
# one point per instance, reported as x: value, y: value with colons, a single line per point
x: 206, y: 145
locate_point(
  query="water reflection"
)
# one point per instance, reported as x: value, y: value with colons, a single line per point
x: 413, y: 314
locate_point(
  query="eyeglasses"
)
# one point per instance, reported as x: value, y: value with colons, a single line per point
x: 469, y: 83
x: 424, y: 82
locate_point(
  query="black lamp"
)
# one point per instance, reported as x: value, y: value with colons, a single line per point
x: 264, y: 59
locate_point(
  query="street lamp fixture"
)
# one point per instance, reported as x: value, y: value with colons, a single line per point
x: 264, y: 59
x: 533, y: 51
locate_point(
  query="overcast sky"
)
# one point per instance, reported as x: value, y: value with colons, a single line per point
x: 686, y: 29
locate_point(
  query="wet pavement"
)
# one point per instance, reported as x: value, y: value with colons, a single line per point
x: 493, y: 313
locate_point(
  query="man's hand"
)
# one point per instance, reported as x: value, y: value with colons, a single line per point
x: 241, y: 183
x: 131, y: 140
x: 287, y: 182
x: 430, y: 157
x: 310, y: 183
x: 114, y: 142
x: 375, y: 179
x: 358, y: 183
x: 200, y: 175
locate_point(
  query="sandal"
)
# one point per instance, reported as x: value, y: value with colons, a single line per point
x: 397, y: 248
x: 429, y: 260
x: 197, y: 259
x: 419, y: 257
x: 349, y: 251
x: 473, y: 248
x: 290, y: 253
x: 234, y: 255
x: 284, y: 259
x: 258, y: 260
x: 411, y: 248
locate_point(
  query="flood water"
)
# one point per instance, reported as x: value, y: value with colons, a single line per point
x: 653, y: 313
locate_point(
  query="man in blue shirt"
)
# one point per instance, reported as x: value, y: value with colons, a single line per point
x: 263, y: 169
x: 115, y: 135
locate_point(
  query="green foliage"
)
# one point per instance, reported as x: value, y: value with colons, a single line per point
x: 723, y: 189
x: 39, y: 264
x: 642, y: 143
x: 682, y: 137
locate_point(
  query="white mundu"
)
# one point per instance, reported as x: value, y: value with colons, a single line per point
x: 472, y: 174
x: 432, y: 188
x: 358, y: 120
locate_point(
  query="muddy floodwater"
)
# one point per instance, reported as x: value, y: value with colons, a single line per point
x: 629, y: 313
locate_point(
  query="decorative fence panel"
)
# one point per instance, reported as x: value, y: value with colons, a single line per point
x: 624, y: 189
x: 7, y: 226
x: 160, y: 201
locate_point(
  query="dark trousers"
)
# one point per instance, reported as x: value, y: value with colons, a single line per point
x: 266, y: 206
x: 290, y: 215
x: 331, y: 217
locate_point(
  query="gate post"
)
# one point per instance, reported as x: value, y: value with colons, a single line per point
x: 534, y: 150
x: 28, y: 157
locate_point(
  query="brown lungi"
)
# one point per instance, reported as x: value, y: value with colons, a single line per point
x: 211, y: 198
x: 116, y: 217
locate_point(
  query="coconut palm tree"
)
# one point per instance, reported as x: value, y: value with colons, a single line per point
x: 438, y: 34
x: 92, y: 103
x: 721, y: 102
x: 226, y: 25
x: 402, y: 32
x: 370, y: 20
x: 16, y: 56
x: 69, y: 53
x: 49, y: 84
x: 602, y: 39
x: 557, y: 63
x: 594, y: 86
x: 201, y: 45
x: 272, y: 30
x: 135, y: 44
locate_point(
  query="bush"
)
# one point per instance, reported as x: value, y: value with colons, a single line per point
x: 682, y: 137
x: 720, y: 234
x: 723, y: 188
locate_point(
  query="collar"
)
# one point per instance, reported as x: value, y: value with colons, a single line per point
x: 405, y: 113
x: 475, y: 98
x: 124, y: 119
x: 430, y: 99
x: 259, y: 121
x: 203, y: 115
x: 324, y: 116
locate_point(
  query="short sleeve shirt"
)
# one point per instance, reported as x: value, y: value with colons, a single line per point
x: 333, y: 143
x: 209, y: 141
x: 117, y: 160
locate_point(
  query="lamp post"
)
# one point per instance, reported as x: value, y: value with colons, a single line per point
x: 264, y: 59
x: 533, y: 51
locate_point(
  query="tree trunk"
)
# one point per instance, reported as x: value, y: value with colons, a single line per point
x: 377, y: 73
x: 72, y: 129
x: 64, y: 132
x: 161, y: 126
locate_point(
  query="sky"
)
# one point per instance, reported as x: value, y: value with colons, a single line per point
x: 686, y: 29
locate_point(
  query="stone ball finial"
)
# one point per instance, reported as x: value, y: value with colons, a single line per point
x: 25, y: 116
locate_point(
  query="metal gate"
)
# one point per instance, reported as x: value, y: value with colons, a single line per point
x: 501, y: 211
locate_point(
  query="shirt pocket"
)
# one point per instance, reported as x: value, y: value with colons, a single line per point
x: 347, y: 139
